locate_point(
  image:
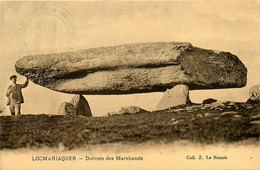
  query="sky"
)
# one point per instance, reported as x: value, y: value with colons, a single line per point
x: 232, y: 26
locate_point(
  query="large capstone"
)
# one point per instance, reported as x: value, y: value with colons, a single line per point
x: 134, y: 68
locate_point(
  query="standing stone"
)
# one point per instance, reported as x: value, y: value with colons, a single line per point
x: 254, y: 95
x: 178, y: 95
x: 81, y: 105
x: 254, y: 92
x: 67, y: 109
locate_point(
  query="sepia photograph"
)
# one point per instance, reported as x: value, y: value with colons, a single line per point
x: 130, y: 85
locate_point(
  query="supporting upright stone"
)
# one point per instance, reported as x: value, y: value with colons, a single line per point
x: 81, y: 105
x: 178, y: 95
x: 254, y: 94
x: 67, y: 109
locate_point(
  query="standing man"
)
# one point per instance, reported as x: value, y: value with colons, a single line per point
x: 15, y: 96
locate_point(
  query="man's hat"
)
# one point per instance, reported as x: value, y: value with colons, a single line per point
x: 13, y: 76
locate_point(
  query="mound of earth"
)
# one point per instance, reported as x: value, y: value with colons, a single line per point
x: 203, y: 123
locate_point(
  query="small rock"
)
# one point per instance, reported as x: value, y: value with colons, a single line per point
x: 256, y: 122
x: 216, y: 105
x: 189, y: 108
x: 200, y: 115
x: 178, y: 110
x: 173, y: 119
x: 196, y: 106
x: 231, y: 104
x: 228, y: 113
x: 67, y: 109
x: 171, y: 110
x: 132, y: 110
x: 249, y: 106
x: 175, y: 122
x: 256, y: 117
x: 209, y: 101
x: 178, y: 95
x: 129, y: 110
x: 237, y: 116
x: 208, y: 114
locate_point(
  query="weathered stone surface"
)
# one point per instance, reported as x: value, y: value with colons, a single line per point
x: 128, y: 110
x: 67, y: 109
x: 81, y: 105
x: 134, y: 68
x: 178, y: 95
x: 254, y: 93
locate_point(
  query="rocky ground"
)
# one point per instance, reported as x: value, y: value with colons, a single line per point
x: 207, y: 123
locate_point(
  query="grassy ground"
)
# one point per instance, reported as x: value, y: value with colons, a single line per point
x: 196, y: 123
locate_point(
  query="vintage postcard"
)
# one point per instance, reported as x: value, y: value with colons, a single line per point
x: 130, y: 85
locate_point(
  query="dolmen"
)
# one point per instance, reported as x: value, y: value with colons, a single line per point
x: 134, y: 68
